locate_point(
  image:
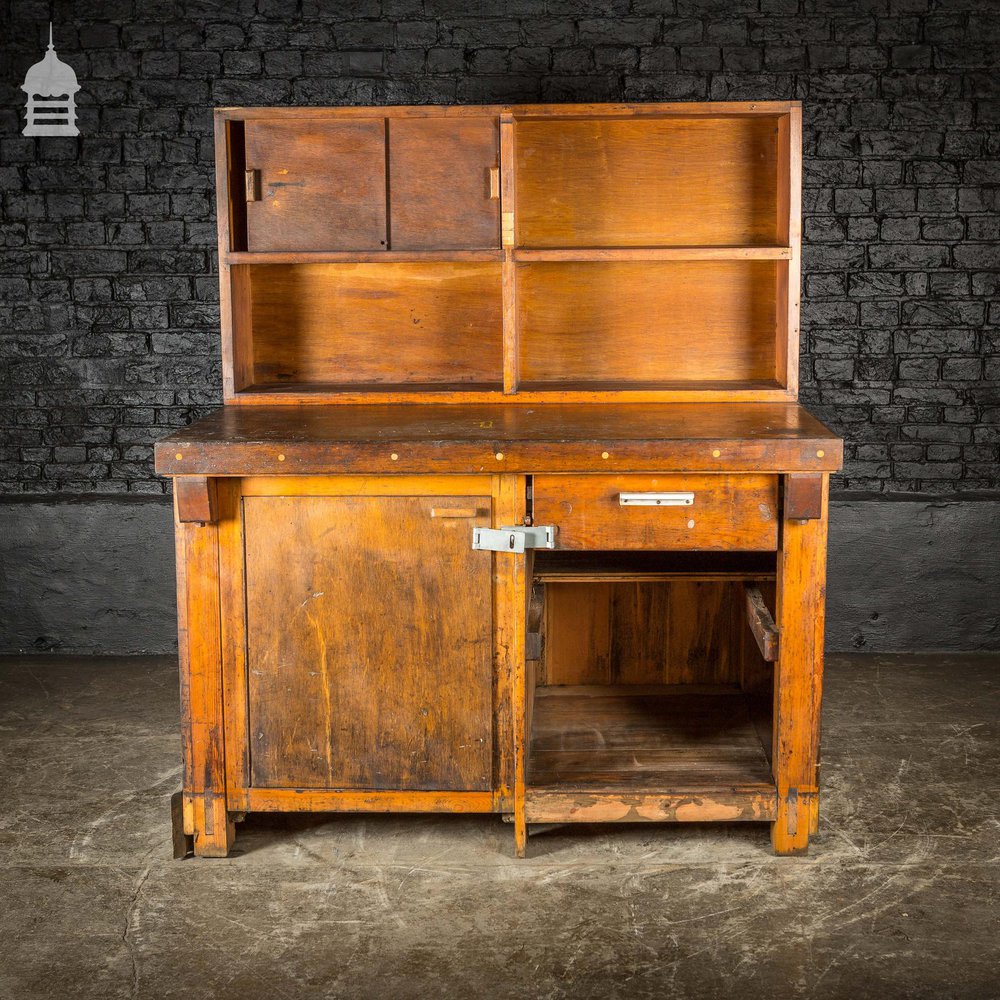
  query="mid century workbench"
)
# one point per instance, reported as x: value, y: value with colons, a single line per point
x: 511, y: 507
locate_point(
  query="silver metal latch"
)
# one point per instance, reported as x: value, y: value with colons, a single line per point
x: 655, y: 499
x: 516, y: 539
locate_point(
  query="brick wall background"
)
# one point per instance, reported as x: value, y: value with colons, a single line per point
x: 108, y: 295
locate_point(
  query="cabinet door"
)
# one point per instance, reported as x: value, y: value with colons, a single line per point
x: 321, y: 185
x: 369, y: 643
x: 439, y: 183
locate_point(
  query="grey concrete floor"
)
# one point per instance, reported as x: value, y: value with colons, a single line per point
x: 898, y: 898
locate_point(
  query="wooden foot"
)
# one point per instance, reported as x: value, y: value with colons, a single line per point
x: 206, y: 820
x: 183, y: 842
x: 520, y: 835
x: 790, y: 830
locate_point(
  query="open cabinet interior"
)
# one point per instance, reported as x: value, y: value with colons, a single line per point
x: 649, y: 681
x: 503, y: 254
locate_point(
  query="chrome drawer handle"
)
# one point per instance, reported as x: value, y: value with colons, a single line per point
x: 655, y: 499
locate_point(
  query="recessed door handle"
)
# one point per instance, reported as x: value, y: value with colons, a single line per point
x: 454, y: 511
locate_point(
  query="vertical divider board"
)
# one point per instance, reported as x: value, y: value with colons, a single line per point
x: 788, y: 290
x: 508, y: 209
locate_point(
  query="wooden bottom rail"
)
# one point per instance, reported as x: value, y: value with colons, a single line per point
x: 708, y: 806
x: 310, y: 800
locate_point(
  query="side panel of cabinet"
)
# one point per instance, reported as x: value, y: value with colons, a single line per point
x: 320, y: 185
x: 439, y: 183
x: 369, y: 642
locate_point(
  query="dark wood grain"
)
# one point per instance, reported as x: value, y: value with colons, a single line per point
x: 558, y: 438
x: 439, y: 183
x: 322, y: 185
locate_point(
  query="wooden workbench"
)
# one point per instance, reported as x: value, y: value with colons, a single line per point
x: 511, y: 508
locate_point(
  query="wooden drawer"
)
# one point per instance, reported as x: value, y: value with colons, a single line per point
x: 725, y: 512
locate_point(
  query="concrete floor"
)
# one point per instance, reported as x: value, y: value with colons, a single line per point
x: 900, y: 897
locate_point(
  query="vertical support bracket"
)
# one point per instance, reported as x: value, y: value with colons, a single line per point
x: 196, y: 499
x: 804, y: 496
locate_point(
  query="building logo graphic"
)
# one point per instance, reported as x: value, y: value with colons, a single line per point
x: 51, y: 86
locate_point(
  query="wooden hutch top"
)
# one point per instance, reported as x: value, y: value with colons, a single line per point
x: 602, y: 260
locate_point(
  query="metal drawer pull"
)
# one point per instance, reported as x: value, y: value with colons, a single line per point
x: 655, y: 499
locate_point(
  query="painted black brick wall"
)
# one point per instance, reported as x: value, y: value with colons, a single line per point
x: 108, y: 297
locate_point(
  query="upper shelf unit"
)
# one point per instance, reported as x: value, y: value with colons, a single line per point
x: 530, y: 253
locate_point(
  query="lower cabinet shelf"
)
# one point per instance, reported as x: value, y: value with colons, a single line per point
x: 655, y: 753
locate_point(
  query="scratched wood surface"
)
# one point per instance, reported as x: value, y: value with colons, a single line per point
x: 606, y: 737
x: 322, y: 185
x: 315, y: 440
x: 369, y: 643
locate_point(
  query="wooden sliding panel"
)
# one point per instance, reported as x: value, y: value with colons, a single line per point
x: 369, y: 642
x: 411, y: 323
x: 316, y: 185
x: 634, y: 323
x: 606, y: 181
x: 444, y: 183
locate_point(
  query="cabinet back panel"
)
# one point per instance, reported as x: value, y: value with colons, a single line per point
x: 322, y: 185
x: 629, y: 182
x: 439, y: 183
x: 336, y: 701
x: 684, y: 632
x: 647, y: 322
x: 376, y: 323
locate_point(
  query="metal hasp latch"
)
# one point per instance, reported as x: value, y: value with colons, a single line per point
x: 655, y: 499
x: 517, y: 539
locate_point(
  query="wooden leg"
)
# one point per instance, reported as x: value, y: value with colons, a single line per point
x: 799, y: 679
x: 204, y: 813
x: 212, y: 827
x: 520, y: 834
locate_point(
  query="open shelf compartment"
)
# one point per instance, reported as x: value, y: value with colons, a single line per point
x: 650, y: 698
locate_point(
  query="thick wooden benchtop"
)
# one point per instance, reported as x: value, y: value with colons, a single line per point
x: 461, y: 438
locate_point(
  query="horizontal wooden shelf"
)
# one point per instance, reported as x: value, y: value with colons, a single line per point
x: 389, y: 388
x: 627, y: 567
x: 358, y: 256
x: 646, y: 753
x: 521, y: 254
x: 687, y: 386
x: 528, y: 255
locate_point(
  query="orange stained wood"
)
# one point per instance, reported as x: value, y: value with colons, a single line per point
x: 520, y: 311
x: 801, y: 609
x: 376, y: 323
x: 607, y: 181
x: 654, y: 321
x: 622, y: 234
x: 726, y: 512
x: 336, y: 701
